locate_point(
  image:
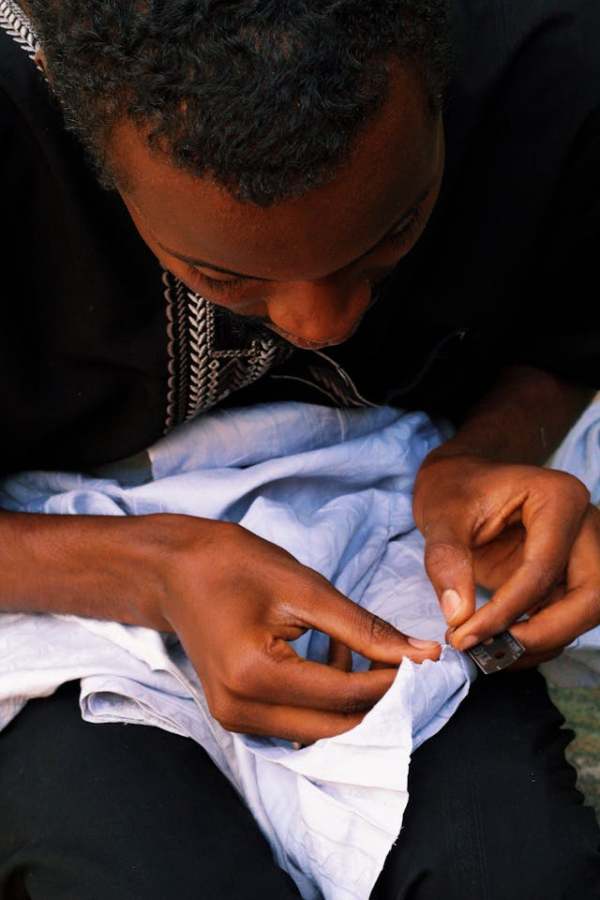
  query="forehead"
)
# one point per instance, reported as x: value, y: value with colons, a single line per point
x: 393, y: 161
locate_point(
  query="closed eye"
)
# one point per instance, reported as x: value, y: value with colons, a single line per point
x: 221, y: 284
x: 399, y: 237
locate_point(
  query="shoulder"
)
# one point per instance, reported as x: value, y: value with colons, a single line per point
x: 508, y: 22
x: 19, y: 74
x: 527, y: 77
x: 23, y: 89
x: 545, y: 42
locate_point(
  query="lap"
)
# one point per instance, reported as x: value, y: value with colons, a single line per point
x: 494, y: 811
x: 115, y: 811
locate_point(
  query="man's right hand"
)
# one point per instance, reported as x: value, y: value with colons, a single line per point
x: 235, y: 600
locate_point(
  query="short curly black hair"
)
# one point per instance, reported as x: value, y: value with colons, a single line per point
x: 264, y: 96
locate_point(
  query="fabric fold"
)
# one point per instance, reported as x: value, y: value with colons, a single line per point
x: 334, y: 488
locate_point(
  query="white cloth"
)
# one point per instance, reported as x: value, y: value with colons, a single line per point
x: 334, y: 488
x: 579, y: 454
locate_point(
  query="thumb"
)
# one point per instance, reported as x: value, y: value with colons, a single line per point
x: 449, y: 565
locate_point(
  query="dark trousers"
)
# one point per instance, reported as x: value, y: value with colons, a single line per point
x: 114, y: 812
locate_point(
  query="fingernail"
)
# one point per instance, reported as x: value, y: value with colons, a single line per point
x: 450, y: 603
x: 469, y: 641
x: 422, y: 645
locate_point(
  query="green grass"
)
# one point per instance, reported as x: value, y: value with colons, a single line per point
x: 581, y: 708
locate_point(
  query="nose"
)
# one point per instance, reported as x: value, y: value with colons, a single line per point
x: 318, y: 314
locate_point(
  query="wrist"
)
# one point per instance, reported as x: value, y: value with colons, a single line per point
x: 144, y: 568
x: 179, y: 554
x: 100, y: 567
x: 520, y: 421
x: 442, y: 467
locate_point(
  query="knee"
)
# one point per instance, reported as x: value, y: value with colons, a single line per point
x: 561, y: 862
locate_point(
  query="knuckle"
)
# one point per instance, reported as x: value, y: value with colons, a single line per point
x: 594, y: 518
x: 496, y: 617
x: 540, y: 640
x: 229, y: 532
x: 317, y: 585
x: 350, y: 705
x: 535, y: 643
x: 379, y: 631
x: 308, y: 589
x: 240, y: 677
x: 541, y: 578
x: 573, y: 488
x: 242, y: 682
x: 591, y: 605
x: 224, y: 711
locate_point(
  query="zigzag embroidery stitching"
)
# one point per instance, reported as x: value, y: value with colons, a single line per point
x: 171, y: 366
x: 193, y: 377
x: 203, y: 383
x: 263, y: 360
x: 17, y: 26
x: 182, y: 351
x: 213, y: 377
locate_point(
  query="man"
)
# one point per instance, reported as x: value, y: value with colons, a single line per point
x: 282, y: 162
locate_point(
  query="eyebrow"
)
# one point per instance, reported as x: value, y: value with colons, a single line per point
x: 202, y: 263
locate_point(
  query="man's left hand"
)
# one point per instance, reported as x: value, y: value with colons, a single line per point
x: 525, y: 532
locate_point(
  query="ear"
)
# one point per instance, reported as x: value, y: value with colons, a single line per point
x: 40, y: 61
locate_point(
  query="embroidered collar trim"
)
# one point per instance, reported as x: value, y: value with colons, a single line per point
x: 19, y: 27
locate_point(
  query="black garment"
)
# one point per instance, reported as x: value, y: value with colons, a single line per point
x: 114, y: 812
x: 100, y: 350
x: 506, y: 271
x: 98, y: 356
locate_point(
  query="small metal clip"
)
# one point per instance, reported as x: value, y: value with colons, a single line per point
x: 497, y: 652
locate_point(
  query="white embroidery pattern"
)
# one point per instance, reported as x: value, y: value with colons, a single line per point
x: 171, y: 377
x: 203, y: 370
x: 200, y: 372
x: 214, y: 375
x: 16, y: 24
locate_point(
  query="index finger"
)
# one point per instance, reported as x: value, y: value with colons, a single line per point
x: 363, y: 631
x: 550, y: 532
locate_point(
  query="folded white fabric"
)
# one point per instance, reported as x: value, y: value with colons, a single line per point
x: 334, y: 488
x: 579, y: 454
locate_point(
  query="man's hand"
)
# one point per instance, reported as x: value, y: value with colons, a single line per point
x: 525, y: 532
x: 236, y: 600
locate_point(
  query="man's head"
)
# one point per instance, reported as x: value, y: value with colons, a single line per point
x: 296, y: 143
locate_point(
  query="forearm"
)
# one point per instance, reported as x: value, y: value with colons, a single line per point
x: 521, y: 420
x: 101, y: 567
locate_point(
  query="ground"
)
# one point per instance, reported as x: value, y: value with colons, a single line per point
x: 581, y: 708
